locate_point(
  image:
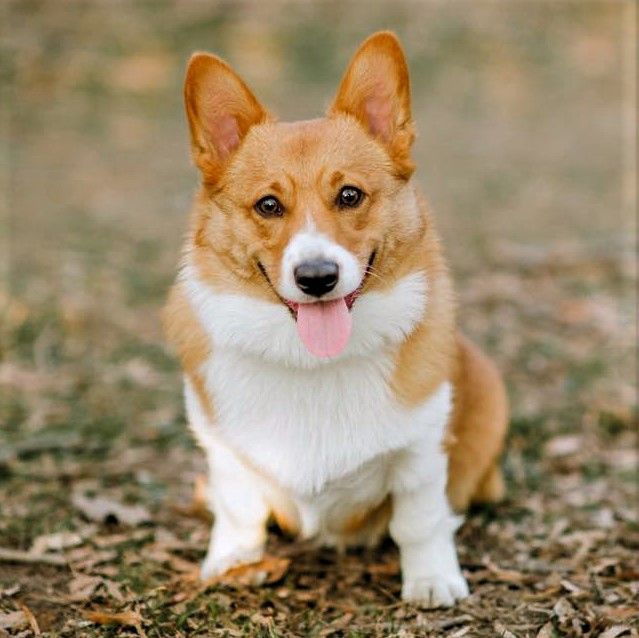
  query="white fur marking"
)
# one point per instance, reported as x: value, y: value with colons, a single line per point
x: 307, y: 245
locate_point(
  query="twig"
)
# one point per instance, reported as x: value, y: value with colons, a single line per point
x: 17, y: 556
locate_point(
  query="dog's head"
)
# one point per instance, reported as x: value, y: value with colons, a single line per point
x: 308, y: 215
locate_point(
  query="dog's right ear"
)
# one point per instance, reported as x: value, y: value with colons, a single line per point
x: 220, y: 109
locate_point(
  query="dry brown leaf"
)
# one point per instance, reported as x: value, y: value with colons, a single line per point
x: 265, y: 572
x: 383, y: 569
x: 17, y: 556
x: 506, y: 575
x: 82, y: 587
x: 101, y: 510
x: 10, y: 591
x: 563, y: 609
x: 112, y: 540
x: 125, y: 618
x: 89, y: 558
x: 546, y: 631
x: 113, y: 589
x: 31, y: 619
x: 502, y: 631
x: 60, y: 540
x: 13, y: 620
x: 546, y: 594
x: 620, y: 613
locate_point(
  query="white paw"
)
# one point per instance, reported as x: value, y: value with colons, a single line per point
x: 214, y: 565
x: 438, y: 590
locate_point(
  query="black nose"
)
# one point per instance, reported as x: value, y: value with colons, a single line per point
x: 316, y: 277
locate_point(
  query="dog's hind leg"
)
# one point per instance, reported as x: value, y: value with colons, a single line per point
x: 477, y: 430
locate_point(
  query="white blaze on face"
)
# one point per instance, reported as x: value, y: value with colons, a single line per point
x: 324, y: 325
x: 308, y: 245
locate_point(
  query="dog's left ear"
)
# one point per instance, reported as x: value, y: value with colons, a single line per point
x: 376, y: 91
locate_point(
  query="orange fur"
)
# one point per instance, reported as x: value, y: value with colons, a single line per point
x: 368, y: 521
x: 186, y: 335
x: 478, y: 428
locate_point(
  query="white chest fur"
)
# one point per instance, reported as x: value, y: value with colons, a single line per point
x: 310, y: 427
x: 307, y: 421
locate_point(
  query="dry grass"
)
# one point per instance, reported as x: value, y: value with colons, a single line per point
x: 521, y: 152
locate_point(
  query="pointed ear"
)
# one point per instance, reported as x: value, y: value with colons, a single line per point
x: 376, y: 91
x: 220, y: 109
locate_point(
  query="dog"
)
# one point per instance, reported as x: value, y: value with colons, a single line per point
x: 314, y: 318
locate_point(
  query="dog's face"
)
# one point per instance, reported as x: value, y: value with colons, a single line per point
x: 310, y: 214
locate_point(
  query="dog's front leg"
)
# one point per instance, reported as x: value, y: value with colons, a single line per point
x: 240, y: 511
x: 423, y: 526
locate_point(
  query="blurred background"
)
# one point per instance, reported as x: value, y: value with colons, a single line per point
x: 526, y: 151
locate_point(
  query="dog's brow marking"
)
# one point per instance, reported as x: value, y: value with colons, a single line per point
x: 336, y: 178
x: 291, y: 182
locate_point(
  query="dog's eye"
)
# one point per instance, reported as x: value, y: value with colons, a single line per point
x: 269, y: 206
x: 349, y: 197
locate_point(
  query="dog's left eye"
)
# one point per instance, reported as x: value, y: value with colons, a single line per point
x: 349, y: 197
x: 269, y: 206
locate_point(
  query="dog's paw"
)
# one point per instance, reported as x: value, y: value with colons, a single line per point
x: 440, y: 590
x: 214, y: 565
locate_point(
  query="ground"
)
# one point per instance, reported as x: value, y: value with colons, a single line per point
x: 525, y: 152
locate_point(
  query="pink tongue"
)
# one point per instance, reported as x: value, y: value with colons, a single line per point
x: 324, y: 327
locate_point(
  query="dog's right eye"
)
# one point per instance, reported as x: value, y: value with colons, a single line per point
x: 269, y: 206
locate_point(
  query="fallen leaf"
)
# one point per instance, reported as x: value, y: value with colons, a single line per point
x: 269, y: 570
x: 31, y: 619
x: 101, y: 510
x: 89, y: 558
x: 113, y: 589
x: 614, y: 631
x: 17, y: 556
x: 13, y: 620
x: 504, y: 575
x: 563, y: 609
x: 59, y: 541
x: 502, y: 631
x: 125, y: 618
x: 619, y: 613
x: 82, y: 587
x: 383, y: 569
x: 546, y: 631
x: 9, y: 591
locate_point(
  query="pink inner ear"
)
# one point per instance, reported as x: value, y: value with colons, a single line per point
x: 225, y: 134
x: 379, y: 115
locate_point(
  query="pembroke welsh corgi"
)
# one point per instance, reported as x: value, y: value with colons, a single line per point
x: 314, y: 318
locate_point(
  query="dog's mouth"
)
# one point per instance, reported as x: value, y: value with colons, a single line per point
x: 349, y: 299
x: 324, y: 327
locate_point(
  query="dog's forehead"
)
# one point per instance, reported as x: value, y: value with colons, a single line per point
x: 307, y: 148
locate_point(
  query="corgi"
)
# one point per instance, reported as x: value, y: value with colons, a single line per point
x: 314, y: 318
